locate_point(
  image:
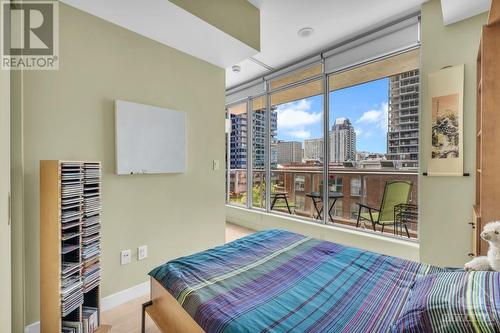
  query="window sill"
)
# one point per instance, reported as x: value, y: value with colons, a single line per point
x: 407, y: 249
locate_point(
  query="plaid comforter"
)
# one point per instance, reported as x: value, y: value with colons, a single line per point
x: 278, y: 281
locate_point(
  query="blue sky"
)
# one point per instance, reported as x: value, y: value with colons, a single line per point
x: 365, y: 105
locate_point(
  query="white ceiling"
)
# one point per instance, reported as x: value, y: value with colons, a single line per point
x: 332, y: 20
x: 171, y: 25
x: 457, y: 10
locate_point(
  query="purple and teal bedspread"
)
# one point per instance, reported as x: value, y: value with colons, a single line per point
x: 278, y: 281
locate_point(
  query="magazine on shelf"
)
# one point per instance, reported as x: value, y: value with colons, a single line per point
x: 90, y: 319
x: 72, y: 326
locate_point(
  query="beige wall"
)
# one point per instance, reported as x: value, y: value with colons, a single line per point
x: 68, y: 114
x: 5, y: 229
x: 368, y: 241
x: 238, y: 18
x: 17, y: 181
x: 446, y: 202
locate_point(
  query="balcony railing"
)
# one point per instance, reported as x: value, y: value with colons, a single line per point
x: 301, y: 187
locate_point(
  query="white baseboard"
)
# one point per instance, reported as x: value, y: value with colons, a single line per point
x: 108, y: 302
x: 32, y: 328
x: 124, y: 296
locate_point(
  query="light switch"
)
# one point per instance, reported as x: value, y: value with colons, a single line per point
x: 216, y: 164
x: 142, y: 252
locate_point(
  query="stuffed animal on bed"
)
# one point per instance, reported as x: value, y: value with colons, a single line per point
x: 491, y: 234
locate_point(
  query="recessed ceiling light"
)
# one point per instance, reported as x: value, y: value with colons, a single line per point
x: 305, y: 32
x: 236, y: 68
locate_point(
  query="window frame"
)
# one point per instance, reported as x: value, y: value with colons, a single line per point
x: 267, y: 95
x: 228, y: 152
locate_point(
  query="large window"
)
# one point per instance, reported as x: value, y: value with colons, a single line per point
x: 373, y: 133
x: 367, y: 140
x: 296, y: 141
x: 259, y: 140
x: 237, y: 151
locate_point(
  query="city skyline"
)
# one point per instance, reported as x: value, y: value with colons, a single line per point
x: 366, y: 105
x: 391, y: 130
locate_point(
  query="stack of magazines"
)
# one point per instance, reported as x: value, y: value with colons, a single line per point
x: 71, y: 294
x: 71, y: 195
x: 72, y: 327
x: 90, y: 319
x: 91, y: 238
x: 71, y: 221
x: 89, y: 324
x: 70, y: 268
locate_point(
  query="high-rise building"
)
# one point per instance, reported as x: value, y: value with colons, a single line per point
x: 239, y: 133
x: 313, y: 149
x: 342, y: 141
x: 259, y: 138
x: 238, y: 142
x: 402, y: 135
x: 289, y: 152
x: 274, y: 134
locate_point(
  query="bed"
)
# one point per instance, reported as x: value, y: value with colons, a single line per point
x: 278, y: 281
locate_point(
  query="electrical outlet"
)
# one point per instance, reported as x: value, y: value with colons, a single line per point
x: 142, y: 252
x: 126, y: 257
x: 216, y: 164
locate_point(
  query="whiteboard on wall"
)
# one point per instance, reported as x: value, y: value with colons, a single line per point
x: 149, y: 139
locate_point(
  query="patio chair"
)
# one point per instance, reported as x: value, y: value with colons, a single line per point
x: 279, y: 193
x: 395, y: 193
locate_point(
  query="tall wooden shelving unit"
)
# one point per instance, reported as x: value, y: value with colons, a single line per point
x: 487, y: 206
x: 70, y: 205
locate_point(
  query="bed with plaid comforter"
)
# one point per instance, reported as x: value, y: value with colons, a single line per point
x: 278, y: 281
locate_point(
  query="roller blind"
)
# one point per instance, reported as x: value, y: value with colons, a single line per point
x: 299, y: 66
x: 392, y: 65
x: 296, y: 76
x: 389, y: 40
x: 251, y: 89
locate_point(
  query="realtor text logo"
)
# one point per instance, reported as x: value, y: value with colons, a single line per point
x: 29, y: 35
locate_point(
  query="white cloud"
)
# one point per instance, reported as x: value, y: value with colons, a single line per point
x: 371, y: 116
x: 299, y: 134
x: 359, y: 131
x: 378, y: 117
x: 294, y: 115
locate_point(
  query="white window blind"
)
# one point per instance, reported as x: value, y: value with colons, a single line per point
x: 251, y: 89
x: 386, y: 41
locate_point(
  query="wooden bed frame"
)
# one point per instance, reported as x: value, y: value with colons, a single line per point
x: 167, y: 313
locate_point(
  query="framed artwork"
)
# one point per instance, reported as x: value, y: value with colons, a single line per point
x: 445, y: 102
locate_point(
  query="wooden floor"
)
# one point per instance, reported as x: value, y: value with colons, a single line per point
x: 126, y: 318
x: 234, y: 232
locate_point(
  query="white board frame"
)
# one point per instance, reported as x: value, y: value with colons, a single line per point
x: 141, y: 131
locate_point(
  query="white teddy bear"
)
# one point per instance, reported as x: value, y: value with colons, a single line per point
x: 491, y: 234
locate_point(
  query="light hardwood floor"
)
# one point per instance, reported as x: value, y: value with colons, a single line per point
x: 126, y: 318
x: 234, y: 232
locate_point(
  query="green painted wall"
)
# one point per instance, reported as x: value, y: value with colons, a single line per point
x: 17, y: 190
x: 5, y: 228
x: 69, y: 114
x: 446, y: 202
x: 238, y: 18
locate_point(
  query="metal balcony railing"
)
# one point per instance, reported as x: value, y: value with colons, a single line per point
x: 302, y: 186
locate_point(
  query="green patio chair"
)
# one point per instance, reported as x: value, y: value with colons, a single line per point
x: 395, y: 193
